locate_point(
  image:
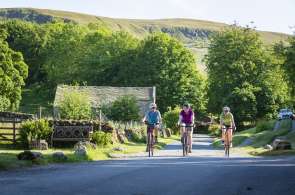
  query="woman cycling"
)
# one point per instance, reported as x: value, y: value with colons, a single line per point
x: 227, y: 123
x: 186, y: 121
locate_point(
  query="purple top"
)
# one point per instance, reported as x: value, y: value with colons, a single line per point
x: 187, y: 118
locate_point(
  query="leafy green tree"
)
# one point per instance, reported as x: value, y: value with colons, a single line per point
x: 243, y: 75
x: 164, y: 62
x: 29, y: 39
x: 63, y: 51
x: 13, y: 72
x: 105, y: 54
x: 124, y: 109
x: 289, y: 64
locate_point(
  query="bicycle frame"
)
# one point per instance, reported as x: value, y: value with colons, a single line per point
x: 150, y: 138
x: 227, y: 141
x: 185, y: 144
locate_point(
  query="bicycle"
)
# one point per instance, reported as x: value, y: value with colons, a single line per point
x: 184, y: 139
x: 150, y: 138
x: 227, y: 142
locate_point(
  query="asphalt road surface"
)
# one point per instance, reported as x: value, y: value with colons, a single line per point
x: 204, y: 172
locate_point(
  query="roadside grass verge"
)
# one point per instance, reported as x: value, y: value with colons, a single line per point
x: 8, y: 155
x: 260, y: 136
x: 266, y: 137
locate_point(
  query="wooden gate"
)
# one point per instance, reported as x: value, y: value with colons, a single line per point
x: 10, y: 125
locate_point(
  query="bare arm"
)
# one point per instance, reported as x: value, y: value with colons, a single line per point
x: 179, y: 119
x: 233, y: 123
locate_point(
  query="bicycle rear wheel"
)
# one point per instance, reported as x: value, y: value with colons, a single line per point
x: 149, y: 144
x: 184, y: 145
x: 226, y: 144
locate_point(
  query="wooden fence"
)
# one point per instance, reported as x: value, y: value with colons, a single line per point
x: 10, y: 125
x: 9, y: 130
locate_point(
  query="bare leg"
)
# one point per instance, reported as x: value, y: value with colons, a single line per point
x: 190, y: 140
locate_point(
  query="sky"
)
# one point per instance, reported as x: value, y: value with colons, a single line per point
x: 268, y: 15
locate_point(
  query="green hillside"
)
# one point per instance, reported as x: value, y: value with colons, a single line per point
x: 194, y: 33
x: 190, y: 29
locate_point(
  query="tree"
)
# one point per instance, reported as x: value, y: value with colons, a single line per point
x: 13, y: 72
x: 164, y: 62
x: 289, y: 64
x: 63, y: 51
x: 29, y: 39
x: 243, y: 75
x: 105, y: 54
x: 124, y: 109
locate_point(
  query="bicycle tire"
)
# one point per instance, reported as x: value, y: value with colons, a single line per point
x: 226, y: 144
x: 152, y: 144
x: 149, y: 144
x: 183, y: 145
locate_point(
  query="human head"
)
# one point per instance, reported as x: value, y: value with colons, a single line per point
x: 226, y: 109
x: 153, y: 106
x: 186, y: 106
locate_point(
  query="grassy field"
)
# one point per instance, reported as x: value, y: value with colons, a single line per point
x: 8, y: 155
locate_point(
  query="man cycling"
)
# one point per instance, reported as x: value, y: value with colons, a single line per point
x: 227, y: 123
x: 186, y: 118
x: 153, y: 119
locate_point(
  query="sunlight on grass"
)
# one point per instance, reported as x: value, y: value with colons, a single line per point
x: 8, y: 155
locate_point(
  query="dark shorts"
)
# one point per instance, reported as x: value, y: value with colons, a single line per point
x: 150, y: 128
x: 188, y: 126
x: 228, y: 127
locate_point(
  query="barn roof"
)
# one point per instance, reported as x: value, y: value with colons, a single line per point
x: 100, y: 95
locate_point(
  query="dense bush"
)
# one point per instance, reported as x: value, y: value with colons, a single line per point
x: 214, y: 129
x: 124, y: 109
x: 136, y: 134
x: 101, y: 138
x: 171, y: 118
x: 35, y: 129
x: 75, y: 106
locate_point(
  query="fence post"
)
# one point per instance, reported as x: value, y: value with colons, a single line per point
x: 14, y: 136
x: 40, y: 112
x: 99, y: 119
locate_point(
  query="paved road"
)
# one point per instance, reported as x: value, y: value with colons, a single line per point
x: 205, y: 172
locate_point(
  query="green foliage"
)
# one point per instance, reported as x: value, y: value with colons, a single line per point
x: 35, y: 129
x: 101, y: 138
x: 138, y: 134
x: 289, y: 64
x: 164, y: 62
x: 171, y: 118
x: 123, y: 109
x: 29, y: 39
x: 243, y: 75
x: 214, y: 129
x: 62, y: 53
x: 13, y: 72
x: 75, y: 106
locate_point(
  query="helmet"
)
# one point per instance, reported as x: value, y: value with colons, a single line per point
x: 153, y: 105
x: 226, y: 108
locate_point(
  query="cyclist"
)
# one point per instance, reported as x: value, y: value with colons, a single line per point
x: 153, y: 119
x: 186, y: 118
x: 227, y: 123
